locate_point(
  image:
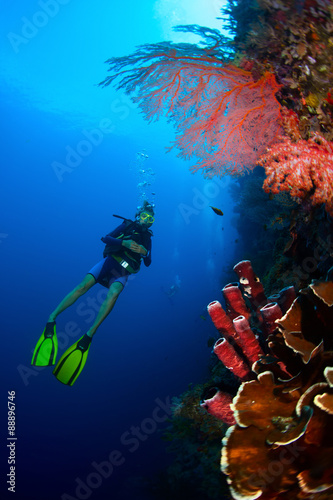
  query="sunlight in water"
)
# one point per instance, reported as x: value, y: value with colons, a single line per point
x: 170, y: 13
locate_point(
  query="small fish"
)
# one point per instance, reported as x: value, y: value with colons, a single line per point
x: 211, y: 341
x: 216, y: 210
x: 279, y: 221
x: 203, y: 317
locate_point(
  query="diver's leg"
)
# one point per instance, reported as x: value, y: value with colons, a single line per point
x: 107, y: 306
x: 87, y: 282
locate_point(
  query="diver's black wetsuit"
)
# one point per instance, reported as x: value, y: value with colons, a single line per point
x: 109, y: 269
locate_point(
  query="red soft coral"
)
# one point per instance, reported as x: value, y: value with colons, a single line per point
x: 302, y: 168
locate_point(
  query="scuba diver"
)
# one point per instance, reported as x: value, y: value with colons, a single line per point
x: 173, y: 289
x: 126, y: 246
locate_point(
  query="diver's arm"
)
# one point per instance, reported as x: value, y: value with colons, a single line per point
x: 147, y: 257
x: 111, y: 238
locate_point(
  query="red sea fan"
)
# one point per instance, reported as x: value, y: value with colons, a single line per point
x: 234, y: 121
x: 304, y: 169
x: 222, y: 116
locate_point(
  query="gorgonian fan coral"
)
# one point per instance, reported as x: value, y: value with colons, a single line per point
x: 304, y: 169
x: 223, y: 116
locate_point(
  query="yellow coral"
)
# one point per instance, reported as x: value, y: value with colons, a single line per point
x: 312, y: 100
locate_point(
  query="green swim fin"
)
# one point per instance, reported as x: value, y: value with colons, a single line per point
x: 46, y: 349
x: 72, y: 362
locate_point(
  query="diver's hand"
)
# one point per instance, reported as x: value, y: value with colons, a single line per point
x: 135, y: 247
x: 143, y: 250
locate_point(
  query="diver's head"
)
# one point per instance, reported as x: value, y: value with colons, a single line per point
x: 145, y: 214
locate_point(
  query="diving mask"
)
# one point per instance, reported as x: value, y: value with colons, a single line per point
x: 147, y: 217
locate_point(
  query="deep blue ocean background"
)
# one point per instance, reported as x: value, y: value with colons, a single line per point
x: 151, y: 347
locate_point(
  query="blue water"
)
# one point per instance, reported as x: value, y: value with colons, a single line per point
x: 69, y: 161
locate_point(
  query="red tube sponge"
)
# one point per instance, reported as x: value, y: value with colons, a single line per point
x: 251, y: 284
x: 251, y: 347
x: 286, y: 297
x: 218, y: 405
x: 221, y: 321
x: 234, y: 301
x: 231, y: 360
x: 270, y: 313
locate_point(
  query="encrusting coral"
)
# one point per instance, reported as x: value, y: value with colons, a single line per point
x: 281, y: 445
x: 294, y: 39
